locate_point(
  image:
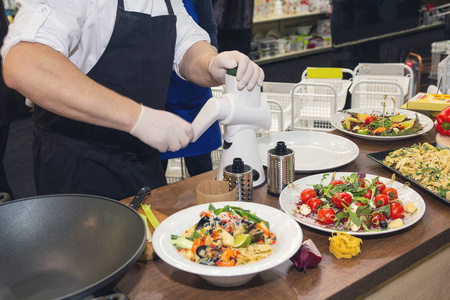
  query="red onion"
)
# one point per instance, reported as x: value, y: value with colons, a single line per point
x: 308, y: 256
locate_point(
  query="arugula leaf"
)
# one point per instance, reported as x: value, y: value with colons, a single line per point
x: 353, y: 217
x: 363, y: 210
x: 384, y: 209
x: 341, y: 215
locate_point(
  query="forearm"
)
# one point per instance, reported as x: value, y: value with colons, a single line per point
x: 194, y: 66
x: 54, y: 83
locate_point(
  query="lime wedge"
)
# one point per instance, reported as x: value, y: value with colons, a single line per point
x: 407, y: 124
x: 227, y: 239
x: 397, y: 118
x: 346, y: 125
x: 364, y: 131
x: 351, y: 119
x: 242, y: 240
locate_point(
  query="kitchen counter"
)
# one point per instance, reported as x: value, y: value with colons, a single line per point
x: 411, y: 264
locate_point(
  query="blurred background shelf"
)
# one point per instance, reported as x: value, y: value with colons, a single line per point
x: 292, y: 54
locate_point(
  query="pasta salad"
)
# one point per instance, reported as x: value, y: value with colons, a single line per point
x: 225, y: 237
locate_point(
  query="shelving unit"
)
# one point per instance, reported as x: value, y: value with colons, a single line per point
x: 292, y: 54
x: 273, y: 17
x: 280, y: 23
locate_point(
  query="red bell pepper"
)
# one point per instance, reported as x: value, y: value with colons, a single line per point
x: 443, y: 121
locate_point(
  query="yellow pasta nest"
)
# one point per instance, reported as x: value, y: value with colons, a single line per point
x: 344, y: 245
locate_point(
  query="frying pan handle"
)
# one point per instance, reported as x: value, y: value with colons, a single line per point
x: 116, y: 296
x: 140, y: 196
x: 4, y: 197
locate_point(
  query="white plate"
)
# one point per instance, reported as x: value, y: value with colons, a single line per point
x: 314, y: 151
x: 427, y: 123
x: 288, y: 232
x: 289, y: 196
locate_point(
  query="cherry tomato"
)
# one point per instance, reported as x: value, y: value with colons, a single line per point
x: 362, y: 181
x: 326, y: 215
x: 369, y: 119
x: 391, y: 193
x: 336, y: 182
x: 307, y: 194
x: 314, y: 203
x: 380, y: 186
x: 377, y: 218
x: 360, y: 204
x: 341, y: 198
x: 381, y: 200
x: 397, y: 210
x: 367, y: 194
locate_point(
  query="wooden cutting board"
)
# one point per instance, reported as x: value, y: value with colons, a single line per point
x: 149, y: 253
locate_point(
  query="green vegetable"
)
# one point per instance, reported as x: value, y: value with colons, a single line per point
x: 211, y: 207
x: 352, y: 119
x: 232, y: 72
x: 364, y: 131
x: 249, y: 215
x: 181, y: 242
x: 147, y: 229
x: 150, y: 216
x: 354, y: 217
x: 241, y: 212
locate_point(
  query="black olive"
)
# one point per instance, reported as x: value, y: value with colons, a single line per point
x: 384, y: 224
x: 319, y: 192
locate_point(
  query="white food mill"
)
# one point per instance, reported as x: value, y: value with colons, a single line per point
x: 241, y: 113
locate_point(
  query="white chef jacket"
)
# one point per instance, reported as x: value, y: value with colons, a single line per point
x: 81, y: 29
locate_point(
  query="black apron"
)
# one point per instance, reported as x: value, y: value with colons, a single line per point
x: 76, y: 157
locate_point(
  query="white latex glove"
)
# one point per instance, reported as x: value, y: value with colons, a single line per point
x: 162, y: 130
x: 248, y: 73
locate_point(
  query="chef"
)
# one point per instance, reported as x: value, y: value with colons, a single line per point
x: 98, y: 74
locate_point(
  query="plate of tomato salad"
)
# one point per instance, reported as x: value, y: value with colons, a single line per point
x: 357, y: 203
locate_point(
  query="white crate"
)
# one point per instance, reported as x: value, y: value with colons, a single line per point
x: 315, y: 101
x: 444, y: 76
x: 439, y: 50
x: 371, y: 90
x: 382, y: 82
x: 278, y: 95
x: 176, y: 170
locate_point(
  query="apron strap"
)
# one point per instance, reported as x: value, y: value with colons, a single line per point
x: 169, y: 7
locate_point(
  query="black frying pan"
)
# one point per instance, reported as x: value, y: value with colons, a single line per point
x: 66, y: 246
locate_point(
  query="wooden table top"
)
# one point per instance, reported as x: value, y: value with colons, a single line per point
x: 382, y: 256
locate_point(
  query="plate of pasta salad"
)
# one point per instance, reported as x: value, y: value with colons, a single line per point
x: 227, y: 243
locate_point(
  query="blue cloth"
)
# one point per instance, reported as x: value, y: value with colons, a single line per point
x: 206, y: 20
x: 186, y: 99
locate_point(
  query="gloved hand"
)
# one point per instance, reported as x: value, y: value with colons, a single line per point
x: 162, y: 130
x: 248, y: 73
